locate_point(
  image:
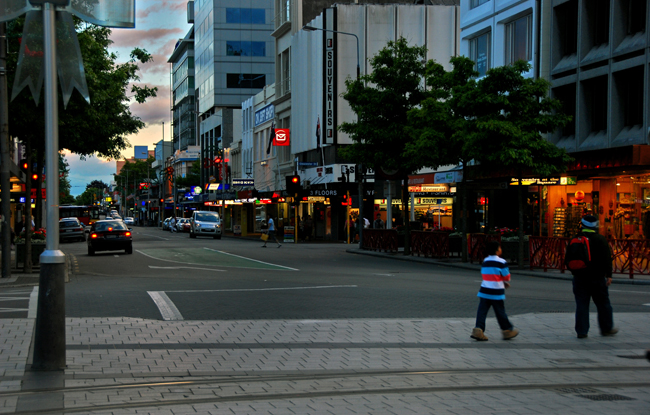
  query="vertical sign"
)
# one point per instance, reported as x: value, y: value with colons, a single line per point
x: 329, y: 73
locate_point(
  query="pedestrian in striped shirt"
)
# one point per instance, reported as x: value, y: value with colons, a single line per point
x: 492, y: 293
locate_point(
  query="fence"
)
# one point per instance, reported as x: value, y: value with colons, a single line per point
x: 430, y: 244
x: 380, y: 240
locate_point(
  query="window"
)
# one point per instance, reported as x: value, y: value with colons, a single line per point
x: 476, y: 3
x: 567, y: 27
x: 519, y: 40
x: 245, y: 80
x: 245, y: 16
x: 479, y: 52
x: 237, y: 48
x: 636, y: 16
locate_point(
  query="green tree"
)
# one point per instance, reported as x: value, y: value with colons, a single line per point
x: 89, y: 196
x: 131, y: 175
x: 65, y: 198
x: 442, y: 122
x: 193, y: 178
x: 381, y: 100
x: 512, y: 112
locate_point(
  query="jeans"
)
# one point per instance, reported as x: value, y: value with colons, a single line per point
x: 499, y: 309
x: 585, y: 289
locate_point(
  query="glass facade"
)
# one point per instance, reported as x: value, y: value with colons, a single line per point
x: 479, y: 52
x: 243, y: 48
x: 519, y: 40
x: 245, y: 16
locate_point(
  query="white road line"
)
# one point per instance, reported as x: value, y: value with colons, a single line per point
x: 11, y: 310
x: 194, y: 263
x: 13, y: 298
x: 33, y: 303
x: 166, y: 307
x: 631, y: 292
x: 205, y: 269
x: 647, y: 304
x: 263, y: 289
x: 116, y: 256
x: 250, y: 259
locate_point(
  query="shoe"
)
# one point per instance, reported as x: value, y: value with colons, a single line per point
x: 477, y: 334
x: 509, y: 334
x: 582, y: 336
x: 611, y: 332
x: 263, y: 246
x: 279, y: 245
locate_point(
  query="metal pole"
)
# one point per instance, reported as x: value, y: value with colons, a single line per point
x: 361, y: 221
x: 49, y: 340
x: 389, y: 207
x: 5, y: 179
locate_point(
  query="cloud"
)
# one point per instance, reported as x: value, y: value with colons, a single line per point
x: 163, y: 6
x: 154, y: 110
x: 83, y: 172
x: 129, y: 38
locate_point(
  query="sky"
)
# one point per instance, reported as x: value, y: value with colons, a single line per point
x: 159, y: 25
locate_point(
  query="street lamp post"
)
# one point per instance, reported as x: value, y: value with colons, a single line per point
x: 359, y: 168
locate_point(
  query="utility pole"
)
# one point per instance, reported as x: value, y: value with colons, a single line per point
x: 5, y: 183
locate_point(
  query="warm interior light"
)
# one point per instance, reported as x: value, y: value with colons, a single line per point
x: 618, y: 184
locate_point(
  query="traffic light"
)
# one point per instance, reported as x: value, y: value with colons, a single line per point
x: 293, y: 184
x: 24, y: 165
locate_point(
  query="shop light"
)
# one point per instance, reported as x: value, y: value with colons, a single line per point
x: 618, y: 184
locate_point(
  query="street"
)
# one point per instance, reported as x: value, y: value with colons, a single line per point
x: 224, y: 326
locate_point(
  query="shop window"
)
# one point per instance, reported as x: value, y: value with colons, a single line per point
x: 519, y: 40
x: 475, y: 3
x: 479, y: 52
x: 244, y: 80
x: 567, y: 96
x: 567, y: 27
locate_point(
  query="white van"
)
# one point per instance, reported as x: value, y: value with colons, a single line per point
x: 205, y: 223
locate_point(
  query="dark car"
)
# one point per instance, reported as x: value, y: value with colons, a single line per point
x: 109, y: 235
x: 71, y: 229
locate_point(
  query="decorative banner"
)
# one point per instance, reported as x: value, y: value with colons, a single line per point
x: 282, y: 137
x: 30, y: 73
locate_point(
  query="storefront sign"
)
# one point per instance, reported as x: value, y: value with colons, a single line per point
x: 213, y: 186
x: 384, y: 201
x: 330, y: 79
x: 568, y: 180
x: 265, y: 114
x: 429, y: 188
x: 540, y: 181
x: 433, y: 194
x: 330, y: 192
x: 431, y: 201
x: 449, y: 177
x: 282, y: 137
x: 243, y: 182
x: 289, y: 234
x: 316, y: 198
x: 236, y: 230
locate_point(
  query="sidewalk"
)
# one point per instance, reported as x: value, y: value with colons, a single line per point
x: 365, y: 366
x: 456, y: 263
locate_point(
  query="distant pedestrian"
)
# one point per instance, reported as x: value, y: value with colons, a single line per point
x: 496, y: 277
x: 592, y: 281
x: 309, y: 227
x: 379, y: 223
x: 271, y: 233
x: 172, y: 224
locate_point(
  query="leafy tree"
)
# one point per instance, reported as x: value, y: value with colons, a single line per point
x: 193, y: 178
x: 131, y: 175
x: 65, y: 198
x: 442, y: 123
x: 381, y: 100
x: 90, y: 196
x: 97, y: 184
x: 511, y: 114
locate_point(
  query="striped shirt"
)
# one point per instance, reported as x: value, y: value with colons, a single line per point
x: 495, y: 272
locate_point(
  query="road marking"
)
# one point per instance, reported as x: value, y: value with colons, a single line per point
x: 263, y: 289
x: 250, y: 259
x: 205, y: 269
x: 631, y: 292
x: 11, y: 310
x: 13, y: 298
x: 33, y: 303
x: 167, y: 309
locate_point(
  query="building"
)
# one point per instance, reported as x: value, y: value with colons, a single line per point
x: 183, y: 99
x: 598, y: 59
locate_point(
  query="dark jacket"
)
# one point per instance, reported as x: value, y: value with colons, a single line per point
x: 601, y: 256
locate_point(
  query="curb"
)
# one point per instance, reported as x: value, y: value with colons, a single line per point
x: 477, y: 267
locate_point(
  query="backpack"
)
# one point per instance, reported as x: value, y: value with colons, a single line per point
x: 578, y: 253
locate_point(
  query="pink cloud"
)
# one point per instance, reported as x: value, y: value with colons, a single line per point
x: 164, y: 5
x: 154, y: 110
x: 127, y: 38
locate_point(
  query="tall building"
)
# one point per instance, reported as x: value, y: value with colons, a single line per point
x: 183, y: 99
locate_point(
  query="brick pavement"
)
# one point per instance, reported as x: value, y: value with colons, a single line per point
x: 398, y: 366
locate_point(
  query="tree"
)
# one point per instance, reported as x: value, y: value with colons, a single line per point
x: 442, y: 123
x: 97, y: 184
x: 89, y: 196
x: 131, y: 175
x: 381, y: 100
x: 65, y: 198
x: 193, y: 178
x: 511, y: 114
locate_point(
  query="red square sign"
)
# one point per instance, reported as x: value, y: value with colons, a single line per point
x: 282, y: 137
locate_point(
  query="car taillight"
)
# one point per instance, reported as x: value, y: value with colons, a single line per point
x: 94, y: 235
x: 110, y: 229
x: 128, y: 234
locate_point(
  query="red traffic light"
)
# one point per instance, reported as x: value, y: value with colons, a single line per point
x: 34, y: 176
x: 295, y: 179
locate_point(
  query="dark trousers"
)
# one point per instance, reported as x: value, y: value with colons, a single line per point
x: 499, y: 309
x: 585, y: 289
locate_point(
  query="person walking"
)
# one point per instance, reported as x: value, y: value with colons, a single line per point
x: 309, y: 227
x: 271, y: 232
x: 592, y: 282
x: 496, y: 278
x: 172, y: 224
x: 378, y: 223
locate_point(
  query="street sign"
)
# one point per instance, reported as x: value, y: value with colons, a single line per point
x: 243, y: 182
x: 307, y: 164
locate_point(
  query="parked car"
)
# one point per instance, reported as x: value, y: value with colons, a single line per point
x: 187, y: 225
x: 205, y: 223
x: 129, y: 221
x: 165, y: 224
x: 71, y: 229
x: 110, y: 235
x: 180, y: 224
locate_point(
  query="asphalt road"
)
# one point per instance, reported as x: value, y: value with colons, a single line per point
x: 172, y: 277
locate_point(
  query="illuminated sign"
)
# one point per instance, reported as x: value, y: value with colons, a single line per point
x: 429, y: 188
x: 330, y: 80
x: 540, y: 181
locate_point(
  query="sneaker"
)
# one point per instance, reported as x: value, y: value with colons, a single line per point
x: 611, y: 332
x: 263, y: 246
x: 509, y: 334
x: 477, y: 334
x: 279, y: 245
x: 582, y: 336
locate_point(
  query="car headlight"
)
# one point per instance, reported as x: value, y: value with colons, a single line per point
x: 198, y: 225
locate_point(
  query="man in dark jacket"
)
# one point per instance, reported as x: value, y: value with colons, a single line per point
x: 592, y: 282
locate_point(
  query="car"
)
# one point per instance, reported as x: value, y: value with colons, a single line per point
x: 71, y: 229
x: 180, y: 224
x: 129, y: 221
x: 205, y: 223
x: 110, y: 235
x: 187, y: 225
x: 165, y: 224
